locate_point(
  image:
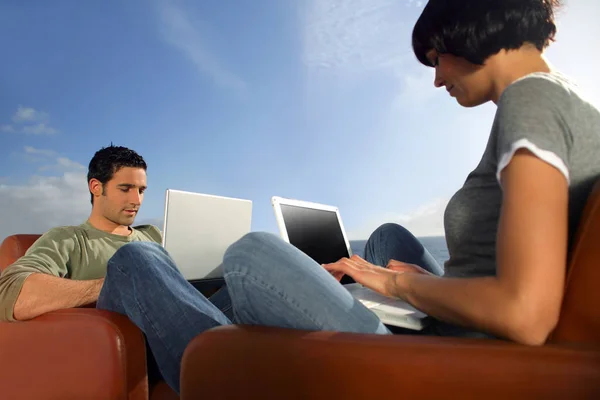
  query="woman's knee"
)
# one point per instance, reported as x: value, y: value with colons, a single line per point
x: 250, y: 249
x: 391, y: 229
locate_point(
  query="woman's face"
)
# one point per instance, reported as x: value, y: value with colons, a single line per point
x: 469, y: 83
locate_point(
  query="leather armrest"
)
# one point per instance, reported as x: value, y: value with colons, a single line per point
x: 236, y: 361
x: 73, y: 354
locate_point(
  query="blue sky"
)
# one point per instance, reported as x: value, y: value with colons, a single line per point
x: 319, y: 100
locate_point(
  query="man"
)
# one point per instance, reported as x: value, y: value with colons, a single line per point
x: 73, y: 266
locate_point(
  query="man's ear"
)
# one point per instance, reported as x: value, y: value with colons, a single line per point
x: 96, y: 187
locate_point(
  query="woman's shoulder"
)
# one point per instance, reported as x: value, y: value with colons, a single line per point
x: 541, y: 86
x: 548, y: 88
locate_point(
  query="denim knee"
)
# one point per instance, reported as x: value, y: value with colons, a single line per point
x: 391, y: 229
x: 248, y: 247
x: 131, y: 253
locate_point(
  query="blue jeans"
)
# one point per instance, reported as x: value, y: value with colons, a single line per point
x: 269, y: 283
x: 272, y: 283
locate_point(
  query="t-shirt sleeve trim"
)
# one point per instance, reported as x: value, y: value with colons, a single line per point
x: 545, y: 155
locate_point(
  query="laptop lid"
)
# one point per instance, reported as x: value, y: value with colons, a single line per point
x: 315, y: 229
x: 198, y: 228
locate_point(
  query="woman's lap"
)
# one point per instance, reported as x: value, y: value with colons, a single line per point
x: 272, y: 283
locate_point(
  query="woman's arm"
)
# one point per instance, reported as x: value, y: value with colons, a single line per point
x: 523, y: 301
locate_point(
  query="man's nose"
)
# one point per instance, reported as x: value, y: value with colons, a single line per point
x: 136, y: 197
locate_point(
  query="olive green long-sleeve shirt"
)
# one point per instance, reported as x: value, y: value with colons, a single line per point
x: 74, y: 252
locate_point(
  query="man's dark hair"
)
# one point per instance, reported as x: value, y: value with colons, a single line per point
x: 108, y: 160
x: 478, y: 29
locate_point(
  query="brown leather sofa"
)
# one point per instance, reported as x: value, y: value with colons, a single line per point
x: 253, y: 362
x: 91, y: 354
x: 80, y: 353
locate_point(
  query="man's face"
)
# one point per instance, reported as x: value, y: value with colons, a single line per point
x: 122, y: 196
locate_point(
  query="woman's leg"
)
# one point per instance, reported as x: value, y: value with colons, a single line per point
x: 272, y: 283
x: 394, y: 242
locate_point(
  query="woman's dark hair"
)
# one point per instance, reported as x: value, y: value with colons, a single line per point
x: 478, y: 29
x: 108, y: 160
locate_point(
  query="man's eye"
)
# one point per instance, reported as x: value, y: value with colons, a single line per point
x: 124, y: 190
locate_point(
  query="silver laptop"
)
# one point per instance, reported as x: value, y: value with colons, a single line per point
x: 318, y: 231
x: 198, y: 228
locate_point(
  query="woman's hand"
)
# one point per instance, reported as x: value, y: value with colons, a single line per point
x: 400, y: 266
x: 382, y: 280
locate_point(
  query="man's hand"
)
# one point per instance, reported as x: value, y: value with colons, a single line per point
x: 382, y: 280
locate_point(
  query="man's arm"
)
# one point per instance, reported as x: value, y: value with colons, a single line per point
x: 42, y: 293
x: 38, y: 281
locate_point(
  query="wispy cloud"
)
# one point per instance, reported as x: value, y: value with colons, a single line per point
x: 355, y: 35
x: 177, y: 29
x: 50, y: 160
x: 352, y: 35
x: 42, y: 152
x: 64, y: 164
x: 29, y: 121
x: 39, y: 129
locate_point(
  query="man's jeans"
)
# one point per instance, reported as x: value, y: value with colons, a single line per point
x: 269, y: 283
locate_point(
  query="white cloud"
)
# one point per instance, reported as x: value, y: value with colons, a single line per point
x: 426, y: 220
x: 45, y: 201
x: 29, y: 121
x: 178, y: 31
x: 42, y: 203
x: 28, y: 114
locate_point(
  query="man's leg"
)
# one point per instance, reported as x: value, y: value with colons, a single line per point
x: 143, y: 283
x: 272, y: 283
x: 222, y: 300
x: 394, y: 242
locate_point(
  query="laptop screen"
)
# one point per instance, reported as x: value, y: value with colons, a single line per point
x: 315, y: 232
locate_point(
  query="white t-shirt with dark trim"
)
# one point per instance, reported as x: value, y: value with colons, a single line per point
x: 546, y: 114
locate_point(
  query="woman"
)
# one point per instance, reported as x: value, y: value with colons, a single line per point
x: 508, y: 228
